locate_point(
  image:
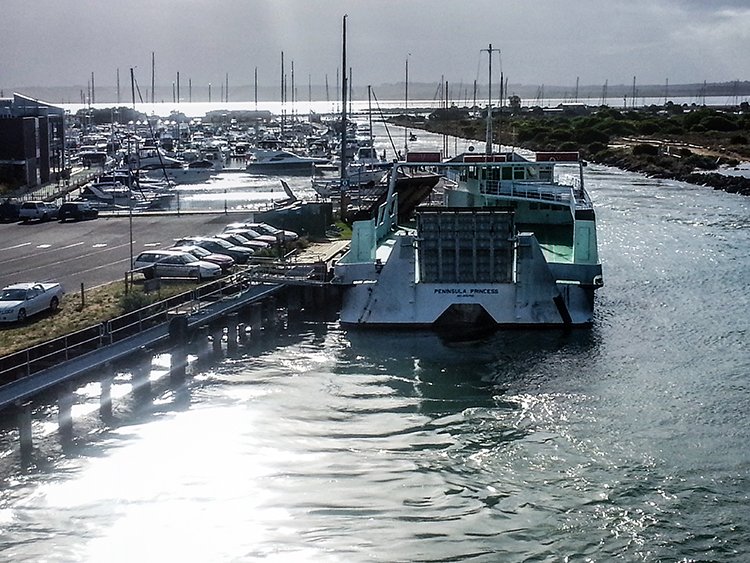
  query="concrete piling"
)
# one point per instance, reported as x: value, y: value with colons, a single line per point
x: 65, y: 414
x: 24, y: 431
x: 105, y: 397
x: 217, y: 333
x: 242, y: 333
x: 232, y: 332
x: 256, y: 320
x: 178, y: 336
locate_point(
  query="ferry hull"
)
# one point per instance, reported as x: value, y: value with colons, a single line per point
x: 389, y: 295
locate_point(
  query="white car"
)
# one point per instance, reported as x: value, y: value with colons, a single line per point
x: 40, y: 210
x: 263, y: 229
x: 21, y: 300
x: 175, y: 264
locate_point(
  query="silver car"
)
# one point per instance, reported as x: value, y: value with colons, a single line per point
x: 175, y: 264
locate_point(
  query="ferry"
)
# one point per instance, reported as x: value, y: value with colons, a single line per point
x: 513, y: 243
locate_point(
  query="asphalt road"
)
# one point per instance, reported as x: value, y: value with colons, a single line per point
x: 92, y: 252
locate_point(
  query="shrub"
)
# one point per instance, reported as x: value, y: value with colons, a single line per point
x: 718, y: 123
x: 738, y: 140
x: 645, y: 150
x: 134, y: 300
x: 589, y: 135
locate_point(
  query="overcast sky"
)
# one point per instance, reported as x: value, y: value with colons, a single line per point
x: 61, y: 42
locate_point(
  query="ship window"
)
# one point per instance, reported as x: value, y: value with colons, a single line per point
x: 507, y: 173
x: 519, y: 173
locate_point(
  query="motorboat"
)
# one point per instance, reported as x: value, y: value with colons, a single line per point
x: 274, y: 161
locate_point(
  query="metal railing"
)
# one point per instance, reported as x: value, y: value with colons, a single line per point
x: 529, y: 190
x: 46, y: 354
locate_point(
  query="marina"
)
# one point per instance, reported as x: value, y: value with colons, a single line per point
x: 523, y: 442
x: 419, y: 311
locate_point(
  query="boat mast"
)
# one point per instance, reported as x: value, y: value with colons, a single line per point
x: 343, y: 104
x: 369, y: 113
x: 406, y: 104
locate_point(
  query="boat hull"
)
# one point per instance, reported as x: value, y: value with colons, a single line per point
x: 390, y: 295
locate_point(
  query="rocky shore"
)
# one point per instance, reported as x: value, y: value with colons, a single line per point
x: 689, y: 144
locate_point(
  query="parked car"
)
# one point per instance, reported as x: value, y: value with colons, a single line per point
x: 9, y: 210
x: 264, y: 229
x: 224, y: 261
x: 40, y: 210
x: 174, y: 264
x: 77, y: 211
x: 219, y: 246
x: 22, y: 300
x: 240, y: 240
x: 251, y: 234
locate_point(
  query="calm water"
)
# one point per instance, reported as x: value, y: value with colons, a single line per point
x: 625, y: 442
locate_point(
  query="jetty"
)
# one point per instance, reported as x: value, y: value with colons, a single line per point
x: 226, y: 314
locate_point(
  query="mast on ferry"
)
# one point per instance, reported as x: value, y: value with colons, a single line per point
x: 488, y: 139
x: 343, y: 105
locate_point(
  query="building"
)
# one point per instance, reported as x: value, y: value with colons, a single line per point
x: 32, y: 142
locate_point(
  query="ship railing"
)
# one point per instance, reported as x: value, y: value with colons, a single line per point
x: 529, y: 190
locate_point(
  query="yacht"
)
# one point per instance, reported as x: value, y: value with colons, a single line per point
x: 275, y: 161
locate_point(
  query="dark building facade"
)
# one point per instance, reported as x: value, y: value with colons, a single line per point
x: 32, y: 142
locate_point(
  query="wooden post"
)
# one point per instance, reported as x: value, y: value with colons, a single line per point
x: 83, y: 297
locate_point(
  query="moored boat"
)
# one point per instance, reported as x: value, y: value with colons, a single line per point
x: 514, y: 243
x: 271, y: 161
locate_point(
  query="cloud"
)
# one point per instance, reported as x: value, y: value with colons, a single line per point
x: 57, y: 42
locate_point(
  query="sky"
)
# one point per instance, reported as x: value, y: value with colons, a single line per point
x: 554, y: 42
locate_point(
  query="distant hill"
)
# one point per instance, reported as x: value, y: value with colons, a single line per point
x: 459, y: 94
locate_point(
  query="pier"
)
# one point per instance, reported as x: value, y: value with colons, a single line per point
x: 221, y: 317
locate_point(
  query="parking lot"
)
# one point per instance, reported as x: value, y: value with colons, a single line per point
x: 93, y: 252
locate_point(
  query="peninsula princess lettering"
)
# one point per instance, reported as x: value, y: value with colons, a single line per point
x: 469, y: 290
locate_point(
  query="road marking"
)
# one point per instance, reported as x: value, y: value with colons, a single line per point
x: 43, y: 245
x: 99, y: 245
x: 17, y: 246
